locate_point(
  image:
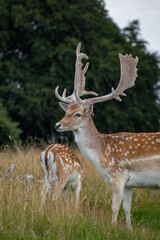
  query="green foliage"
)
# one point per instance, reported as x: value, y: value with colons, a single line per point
x: 131, y: 33
x: 9, y: 130
x: 37, y: 53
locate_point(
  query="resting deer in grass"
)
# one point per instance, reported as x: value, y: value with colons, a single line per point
x: 125, y: 160
x: 62, y: 166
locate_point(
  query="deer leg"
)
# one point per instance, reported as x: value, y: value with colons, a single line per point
x: 117, y: 187
x: 43, y: 193
x: 47, y: 184
x: 78, y: 188
x: 46, y: 188
x: 127, y: 198
x: 59, y: 188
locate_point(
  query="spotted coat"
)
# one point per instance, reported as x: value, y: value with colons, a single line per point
x: 63, y: 167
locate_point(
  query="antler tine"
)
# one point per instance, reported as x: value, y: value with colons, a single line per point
x: 64, y: 93
x: 85, y: 68
x: 63, y: 98
x: 78, y: 48
x: 127, y: 80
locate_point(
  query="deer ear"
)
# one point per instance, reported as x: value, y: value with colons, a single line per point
x: 64, y: 106
x: 89, y: 109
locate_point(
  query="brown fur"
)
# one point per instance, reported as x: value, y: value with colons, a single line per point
x: 115, y: 155
x: 66, y: 163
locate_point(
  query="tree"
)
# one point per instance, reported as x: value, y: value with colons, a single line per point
x: 37, y: 53
x: 132, y: 35
x: 9, y: 131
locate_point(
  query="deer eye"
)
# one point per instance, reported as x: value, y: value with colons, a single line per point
x: 77, y: 115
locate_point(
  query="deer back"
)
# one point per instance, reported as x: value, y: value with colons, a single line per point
x: 65, y: 160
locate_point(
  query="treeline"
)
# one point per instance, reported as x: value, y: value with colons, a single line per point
x: 37, y: 52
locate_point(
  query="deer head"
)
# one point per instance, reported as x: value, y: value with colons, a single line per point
x: 78, y: 111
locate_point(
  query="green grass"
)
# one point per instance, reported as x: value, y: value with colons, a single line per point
x: 22, y: 216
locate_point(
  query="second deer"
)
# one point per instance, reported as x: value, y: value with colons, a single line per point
x: 62, y: 166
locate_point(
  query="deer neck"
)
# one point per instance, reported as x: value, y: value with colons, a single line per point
x: 89, y: 141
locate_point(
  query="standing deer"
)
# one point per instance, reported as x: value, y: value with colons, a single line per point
x: 62, y: 166
x: 125, y: 160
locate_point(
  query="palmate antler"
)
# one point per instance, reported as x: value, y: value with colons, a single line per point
x: 79, y: 80
x: 127, y: 80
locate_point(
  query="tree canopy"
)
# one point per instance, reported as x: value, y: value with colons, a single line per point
x: 37, y: 53
x: 9, y: 131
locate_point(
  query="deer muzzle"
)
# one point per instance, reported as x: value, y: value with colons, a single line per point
x: 58, y: 126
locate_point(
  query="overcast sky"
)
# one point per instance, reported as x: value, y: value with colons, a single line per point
x: 146, y: 11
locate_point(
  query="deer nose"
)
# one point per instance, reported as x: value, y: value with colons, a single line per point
x: 58, y: 125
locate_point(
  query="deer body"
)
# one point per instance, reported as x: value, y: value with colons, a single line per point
x: 133, y: 155
x: 125, y: 160
x: 61, y: 166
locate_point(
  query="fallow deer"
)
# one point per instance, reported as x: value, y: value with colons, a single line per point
x: 62, y: 166
x: 125, y: 160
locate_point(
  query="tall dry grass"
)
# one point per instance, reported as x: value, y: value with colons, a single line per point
x: 22, y: 216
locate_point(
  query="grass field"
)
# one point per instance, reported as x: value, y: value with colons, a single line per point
x: 22, y: 215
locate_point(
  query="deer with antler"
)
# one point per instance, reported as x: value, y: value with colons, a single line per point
x: 125, y: 160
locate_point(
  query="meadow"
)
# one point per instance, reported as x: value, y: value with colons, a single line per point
x: 22, y: 215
